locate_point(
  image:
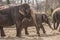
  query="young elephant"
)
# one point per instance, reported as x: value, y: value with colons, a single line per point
x: 41, y: 18
x: 37, y: 21
x: 56, y: 18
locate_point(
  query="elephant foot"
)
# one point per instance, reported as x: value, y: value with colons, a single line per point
x: 18, y: 35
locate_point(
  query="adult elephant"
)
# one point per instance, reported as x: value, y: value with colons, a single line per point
x: 14, y: 15
x: 56, y: 18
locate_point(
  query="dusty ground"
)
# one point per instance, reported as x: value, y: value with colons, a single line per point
x: 50, y: 35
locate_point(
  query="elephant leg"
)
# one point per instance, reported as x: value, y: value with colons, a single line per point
x: 2, y: 31
x: 19, y: 28
x: 26, y: 31
x: 41, y: 26
x: 54, y: 25
x: 49, y: 25
x: 36, y: 22
x: 37, y: 29
x: 57, y: 25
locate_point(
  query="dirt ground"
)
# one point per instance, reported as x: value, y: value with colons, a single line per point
x: 50, y: 35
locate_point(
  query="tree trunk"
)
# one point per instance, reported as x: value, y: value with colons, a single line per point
x: 25, y: 1
x: 21, y: 1
x: 46, y: 6
x: 28, y: 1
x: 8, y: 2
x: 37, y: 4
x: 0, y: 2
x: 59, y: 2
x: 33, y: 2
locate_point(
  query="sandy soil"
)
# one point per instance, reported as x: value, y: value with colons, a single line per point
x: 50, y: 35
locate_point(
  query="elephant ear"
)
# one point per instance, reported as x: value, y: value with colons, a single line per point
x: 44, y: 17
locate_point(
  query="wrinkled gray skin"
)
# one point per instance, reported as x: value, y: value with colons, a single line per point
x: 11, y: 16
x: 26, y: 23
x: 37, y: 20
